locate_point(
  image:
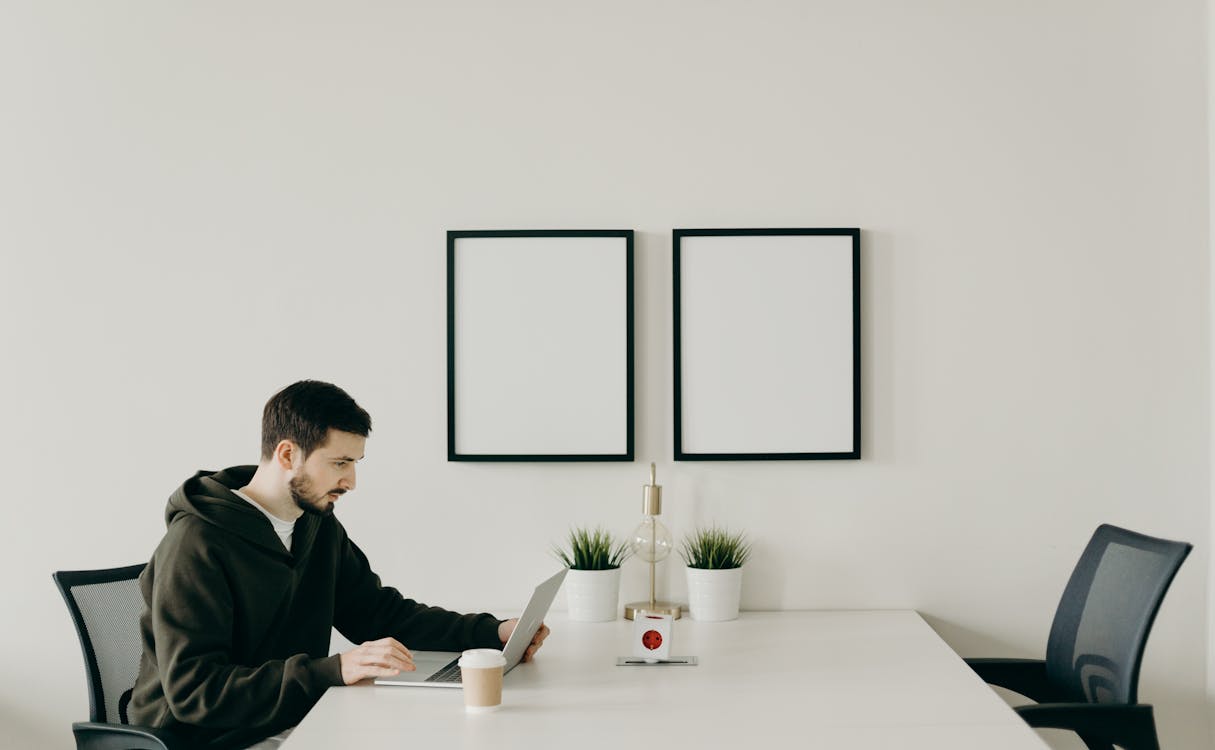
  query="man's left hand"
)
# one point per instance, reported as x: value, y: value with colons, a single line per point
x: 508, y: 627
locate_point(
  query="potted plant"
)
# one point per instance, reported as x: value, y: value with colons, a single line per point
x: 715, y: 559
x: 592, y: 585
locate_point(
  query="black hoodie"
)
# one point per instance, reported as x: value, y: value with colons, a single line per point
x: 236, y: 629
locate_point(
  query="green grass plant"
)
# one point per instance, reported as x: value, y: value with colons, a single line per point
x: 592, y: 549
x: 715, y: 548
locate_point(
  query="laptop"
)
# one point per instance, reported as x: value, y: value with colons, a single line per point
x: 440, y: 669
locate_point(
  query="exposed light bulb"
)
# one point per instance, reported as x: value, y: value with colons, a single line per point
x: 651, y: 541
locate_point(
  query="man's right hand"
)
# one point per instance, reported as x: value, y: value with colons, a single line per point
x: 385, y: 657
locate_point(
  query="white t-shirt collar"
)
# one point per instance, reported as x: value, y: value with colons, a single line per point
x: 284, y: 529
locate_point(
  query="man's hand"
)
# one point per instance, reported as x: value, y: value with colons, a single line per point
x: 508, y: 627
x: 385, y: 657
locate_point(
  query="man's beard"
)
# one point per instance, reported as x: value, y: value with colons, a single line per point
x: 301, y: 492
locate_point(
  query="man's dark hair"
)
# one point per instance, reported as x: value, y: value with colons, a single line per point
x: 304, y: 412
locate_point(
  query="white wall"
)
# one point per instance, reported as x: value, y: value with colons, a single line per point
x: 200, y: 203
x: 1210, y: 60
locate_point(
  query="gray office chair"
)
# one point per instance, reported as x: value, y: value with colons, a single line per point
x: 1089, y: 681
x: 105, y: 607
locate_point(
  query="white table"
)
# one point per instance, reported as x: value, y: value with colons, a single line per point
x: 832, y: 680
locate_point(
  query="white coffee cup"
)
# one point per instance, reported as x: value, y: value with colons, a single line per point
x: 481, y: 675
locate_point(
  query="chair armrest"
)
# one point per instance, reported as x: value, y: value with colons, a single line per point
x: 1128, y: 726
x: 97, y: 736
x: 1024, y: 676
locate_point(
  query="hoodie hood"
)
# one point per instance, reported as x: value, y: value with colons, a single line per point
x: 208, y: 495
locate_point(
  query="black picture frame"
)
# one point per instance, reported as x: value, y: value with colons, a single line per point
x: 767, y: 344
x: 540, y: 339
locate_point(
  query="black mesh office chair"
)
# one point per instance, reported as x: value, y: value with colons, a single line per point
x: 105, y: 607
x: 1089, y: 681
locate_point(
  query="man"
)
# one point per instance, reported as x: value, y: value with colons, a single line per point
x: 253, y: 573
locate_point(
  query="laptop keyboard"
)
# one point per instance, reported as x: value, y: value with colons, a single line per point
x: 450, y: 673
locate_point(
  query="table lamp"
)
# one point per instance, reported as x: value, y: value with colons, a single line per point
x: 651, y: 542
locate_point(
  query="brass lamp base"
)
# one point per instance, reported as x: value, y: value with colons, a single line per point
x: 654, y: 608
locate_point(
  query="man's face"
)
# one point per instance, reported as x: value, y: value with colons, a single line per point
x: 327, y: 473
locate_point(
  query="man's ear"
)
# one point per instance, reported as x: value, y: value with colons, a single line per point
x: 285, y: 454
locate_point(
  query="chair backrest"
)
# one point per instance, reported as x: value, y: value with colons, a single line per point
x: 105, y: 607
x: 1101, y: 626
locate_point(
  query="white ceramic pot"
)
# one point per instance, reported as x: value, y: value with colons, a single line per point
x: 713, y: 595
x: 593, y: 595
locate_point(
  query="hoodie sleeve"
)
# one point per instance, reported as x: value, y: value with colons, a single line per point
x: 367, y: 610
x: 191, y: 611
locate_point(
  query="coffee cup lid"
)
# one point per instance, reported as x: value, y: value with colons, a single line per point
x: 482, y: 658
